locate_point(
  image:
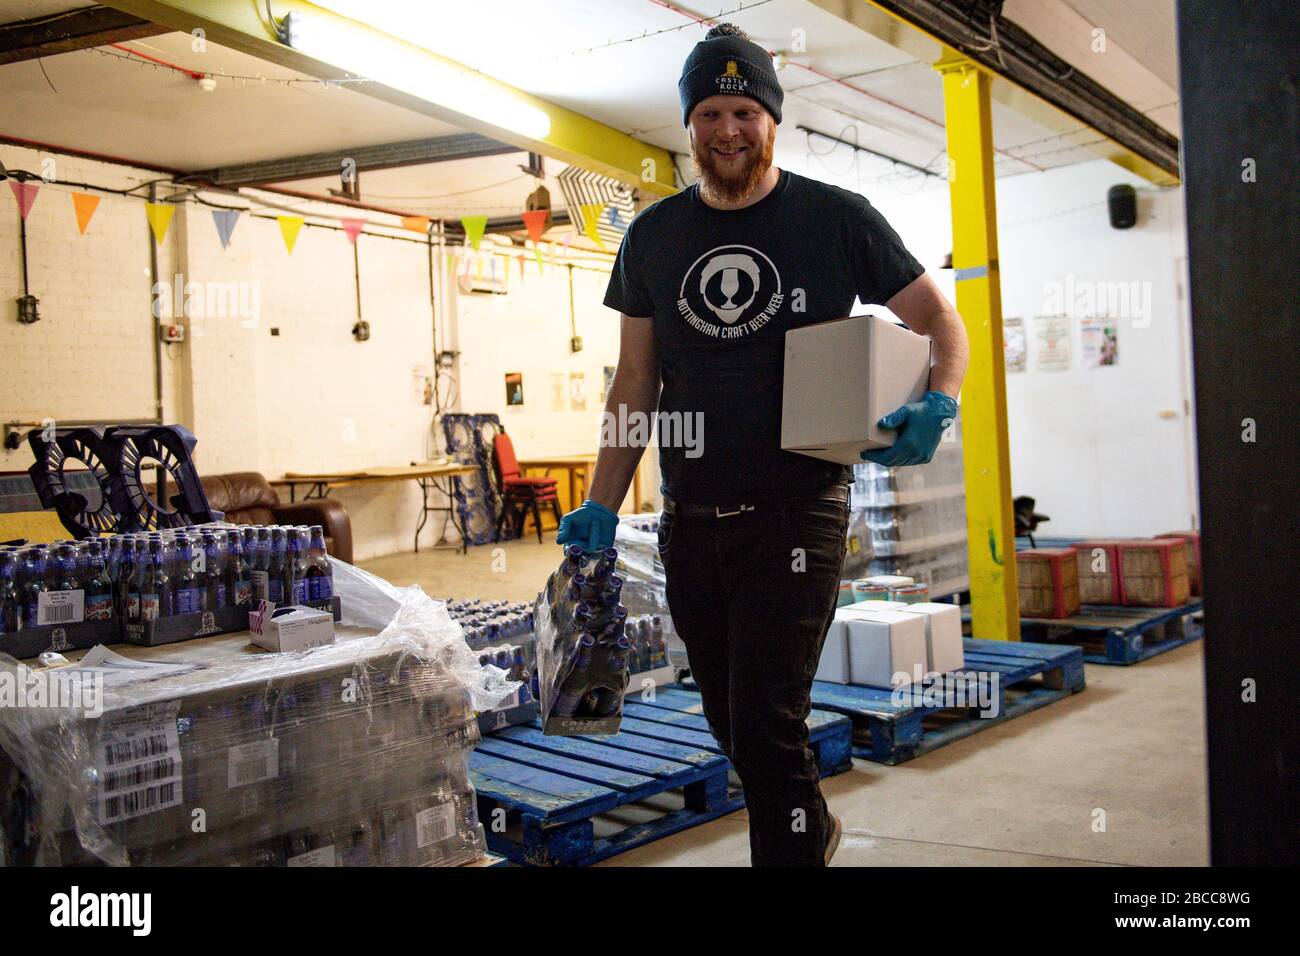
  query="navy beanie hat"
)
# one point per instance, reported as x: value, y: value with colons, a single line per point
x: 726, y: 61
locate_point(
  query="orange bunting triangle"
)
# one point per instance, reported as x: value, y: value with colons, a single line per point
x: 535, y: 220
x: 85, y: 205
x: 418, y: 224
x: 290, y: 226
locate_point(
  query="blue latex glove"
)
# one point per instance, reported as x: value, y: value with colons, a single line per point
x: 591, y: 526
x: 920, y: 426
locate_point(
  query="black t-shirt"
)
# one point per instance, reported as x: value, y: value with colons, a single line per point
x: 723, y: 286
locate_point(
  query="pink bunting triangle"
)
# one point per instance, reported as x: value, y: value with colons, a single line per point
x: 353, y: 228
x: 25, y: 193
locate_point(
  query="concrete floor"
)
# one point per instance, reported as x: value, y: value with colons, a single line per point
x: 1023, y: 793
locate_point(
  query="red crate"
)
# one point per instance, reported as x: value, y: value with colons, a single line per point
x: 1153, y: 572
x: 1048, y: 582
x: 1098, y: 586
x: 1193, y: 556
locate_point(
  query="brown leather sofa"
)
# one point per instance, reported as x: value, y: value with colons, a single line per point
x: 247, y: 498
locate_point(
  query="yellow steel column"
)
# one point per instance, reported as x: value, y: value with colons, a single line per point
x: 990, y: 524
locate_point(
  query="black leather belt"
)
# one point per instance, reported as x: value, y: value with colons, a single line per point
x: 838, y: 491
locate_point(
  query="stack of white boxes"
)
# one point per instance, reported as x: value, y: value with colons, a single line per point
x: 888, y: 644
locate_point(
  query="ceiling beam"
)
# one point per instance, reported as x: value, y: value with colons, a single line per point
x: 75, y: 30
x: 387, y: 156
x: 416, y: 79
x: 1027, y: 78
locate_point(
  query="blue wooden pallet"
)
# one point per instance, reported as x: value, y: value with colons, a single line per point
x: 552, y: 788
x: 1120, y: 635
x: 892, y: 729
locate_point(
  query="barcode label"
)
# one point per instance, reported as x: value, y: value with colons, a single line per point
x: 138, y: 758
x: 252, y: 763
x: 139, y: 748
x: 139, y: 802
x: 140, y: 774
x: 60, y: 607
x: 435, y: 824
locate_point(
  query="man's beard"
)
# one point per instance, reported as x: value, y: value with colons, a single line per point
x: 733, y: 187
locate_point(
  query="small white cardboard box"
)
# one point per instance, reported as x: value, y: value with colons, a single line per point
x: 943, y: 646
x: 843, y: 376
x: 886, y: 649
x: 290, y: 628
x: 834, y: 663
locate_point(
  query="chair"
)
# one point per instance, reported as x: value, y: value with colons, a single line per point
x: 520, y: 493
x: 248, y: 498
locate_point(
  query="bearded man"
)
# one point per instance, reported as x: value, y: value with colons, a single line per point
x: 752, y: 537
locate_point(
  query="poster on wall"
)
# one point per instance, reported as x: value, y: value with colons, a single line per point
x: 1051, y: 343
x: 578, y: 391
x: 514, y: 388
x: 609, y: 381
x: 1013, y: 344
x: 1099, y: 345
x: 559, y: 392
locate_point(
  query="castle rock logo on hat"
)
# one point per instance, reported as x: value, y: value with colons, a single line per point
x: 731, y: 81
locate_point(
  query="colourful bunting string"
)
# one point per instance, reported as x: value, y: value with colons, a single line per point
x: 474, y: 226
x: 84, y: 204
x: 25, y: 193
x: 353, y: 228
x: 418, y: 224
x: 289, y: 228
x: 224, y: 220
x: 160, y: 218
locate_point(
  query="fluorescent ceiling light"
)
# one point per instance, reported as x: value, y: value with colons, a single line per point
x: 365, y: 52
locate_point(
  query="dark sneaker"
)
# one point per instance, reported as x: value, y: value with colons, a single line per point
x: 833, y: 840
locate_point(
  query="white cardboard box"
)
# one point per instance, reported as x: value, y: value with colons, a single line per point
x: 292, y: 628
x: 886, y: 649
x: 834, y: 663
x: 843, y: 376
x: 943, y: 646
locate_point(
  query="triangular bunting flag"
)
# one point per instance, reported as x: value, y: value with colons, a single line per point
x: 25, y: 193
x: 418, y: 224
x: 289, y: 227
x: 85, y: 205
x: 474, y: 226
x: 224, y: 220
x: 478, y: 269
x: 520, y: 259
x: 612, y: 215
x: 160, y: 218
x: 590, y: 218
x: 535, y: 220
x: 353, y: 228
x: 564, y: 250
x: 537, y: 252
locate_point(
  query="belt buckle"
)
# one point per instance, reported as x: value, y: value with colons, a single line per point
x: 719, y: 513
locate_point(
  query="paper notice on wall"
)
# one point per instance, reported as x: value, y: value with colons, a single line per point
x: 1051, y: 343
x: 1099, y: 342
x: 578, y: 391
x: 559, y: 392
x: 1013, y: 344
x: 514, y: 388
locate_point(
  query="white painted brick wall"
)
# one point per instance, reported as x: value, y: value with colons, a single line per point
x: 310, y: 398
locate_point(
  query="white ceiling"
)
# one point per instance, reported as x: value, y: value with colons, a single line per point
x: 614, y: 60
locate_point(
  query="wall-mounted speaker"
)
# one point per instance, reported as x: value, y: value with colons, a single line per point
x: 1122, y: 200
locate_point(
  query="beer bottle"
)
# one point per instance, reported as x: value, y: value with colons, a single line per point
x: 189, y: 585
x: 11, y: 619
x: 275, y: 569
x: 295, y: 565
x: 157, y: 593
x: 320, y: 576
x: 95, y: 582
x: 239, y: 590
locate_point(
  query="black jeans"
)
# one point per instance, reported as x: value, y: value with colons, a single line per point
x: 752, y: 595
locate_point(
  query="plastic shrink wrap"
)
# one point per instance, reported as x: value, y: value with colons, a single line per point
x: 351, y: 754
